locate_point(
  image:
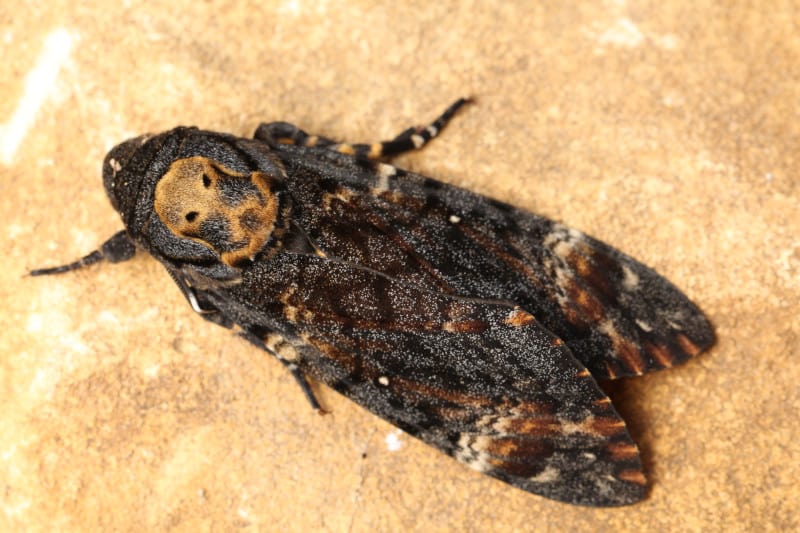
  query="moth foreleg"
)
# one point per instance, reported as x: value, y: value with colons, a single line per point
x: 280, y: 348
x: 414, y: 138
x: 305, y: 386
x: 275, y: 133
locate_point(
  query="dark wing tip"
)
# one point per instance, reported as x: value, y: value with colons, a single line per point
x: 640, y: 322
x: 570, y: 445
x: 592, y: 462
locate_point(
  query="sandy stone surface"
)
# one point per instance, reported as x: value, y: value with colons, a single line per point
x: 668, y: 129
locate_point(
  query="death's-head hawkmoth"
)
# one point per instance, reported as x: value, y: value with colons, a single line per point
x: 473, y: 325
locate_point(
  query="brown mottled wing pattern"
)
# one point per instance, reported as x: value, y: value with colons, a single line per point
x: 480, y: 380
x: 619, y: 317
x: 643, y: 321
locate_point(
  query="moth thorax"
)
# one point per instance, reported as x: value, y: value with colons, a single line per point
x: 230, y: 212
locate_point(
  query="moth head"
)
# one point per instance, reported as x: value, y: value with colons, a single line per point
x: 118, y: 184
x: 230, y: 212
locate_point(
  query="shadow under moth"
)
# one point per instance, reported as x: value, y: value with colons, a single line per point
x: 475, y: 326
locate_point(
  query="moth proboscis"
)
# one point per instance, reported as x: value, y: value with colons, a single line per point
x: 478, y: 327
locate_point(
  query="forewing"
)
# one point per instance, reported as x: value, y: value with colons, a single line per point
x: 480, y: 380
x: 640, y: 319
x: 619, y: 317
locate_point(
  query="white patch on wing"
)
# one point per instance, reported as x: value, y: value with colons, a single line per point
x: 472, y: 452
x: 630, y: 280
x: 548, y: 475
x: 562, y: 241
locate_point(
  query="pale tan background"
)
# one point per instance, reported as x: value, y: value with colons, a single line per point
x: 669, y: 129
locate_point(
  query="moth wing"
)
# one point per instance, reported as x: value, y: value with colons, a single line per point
x: 619, y: 317
x: 480, y: 380
x: 628, y: 319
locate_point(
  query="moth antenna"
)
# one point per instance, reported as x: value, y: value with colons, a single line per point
x: 115, y: 250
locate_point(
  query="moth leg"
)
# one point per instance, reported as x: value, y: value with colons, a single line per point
x: 274, y: 349
x: 117, y: 249
x: 305, y: 386
x: 198, y: 301
x: 276, y: 133
x: 414, y: 138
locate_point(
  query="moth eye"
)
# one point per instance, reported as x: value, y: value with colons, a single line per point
x: 191, y: 216
x: 206, y: 181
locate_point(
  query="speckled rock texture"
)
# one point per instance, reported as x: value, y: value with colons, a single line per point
x: 668, y: 129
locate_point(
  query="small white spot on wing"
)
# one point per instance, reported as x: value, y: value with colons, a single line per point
x: 382, y: 180
x: 472, y: 452
x: 630, y: 280
x: 280, y: 347
x: 386, y: 170
x: 548, y: 475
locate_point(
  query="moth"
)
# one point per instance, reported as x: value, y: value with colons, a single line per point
x: 475, y: 326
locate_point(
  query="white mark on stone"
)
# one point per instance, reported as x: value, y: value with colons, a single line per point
x: 108, y: 317
x: 393, y: 442
x: 623, y: 33
x: 151, y: 371
x: 668, y: 41
x: 34, y: 324
x: 38, y: 84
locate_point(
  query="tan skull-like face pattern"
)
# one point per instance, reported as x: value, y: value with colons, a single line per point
x: 232, y: 213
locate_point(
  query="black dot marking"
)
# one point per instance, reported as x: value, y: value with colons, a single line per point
x: 206, y: 181
x: 191, y: 216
